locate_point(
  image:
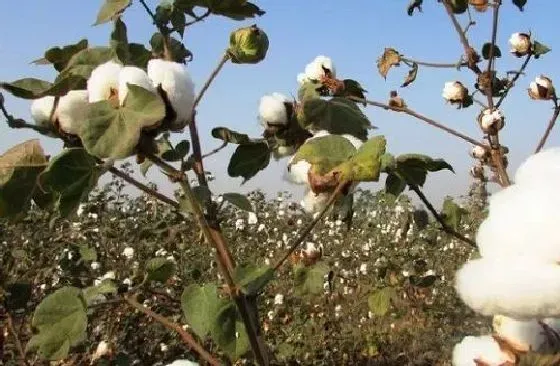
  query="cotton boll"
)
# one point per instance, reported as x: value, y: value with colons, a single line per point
x: 136, y: 76
x: 178, y: 85
x: 297, y: 173
x: 283, y: 151
x: 302, y: 78
x: 272, y: 109
x: 483, y: 348
x: 523, y: 221
x: 511, y: 286
x: 182, y: 363
x: 523, y: 334
x: 72, y: 111
x: 313, y: 203
x: 41, y: 110
x: 540, y: 168
x: 319, y: 68
x: 104, y: 81
x: 354, y: 141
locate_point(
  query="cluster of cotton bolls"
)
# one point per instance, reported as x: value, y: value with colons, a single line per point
x: 109, y: 81
x: 517, y: 278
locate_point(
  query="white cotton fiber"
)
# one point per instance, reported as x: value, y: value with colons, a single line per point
x: 104, y: 81
x: 272, y: 109
x: 72, y: 111
x: 135, y: 76
x: 483, y: 348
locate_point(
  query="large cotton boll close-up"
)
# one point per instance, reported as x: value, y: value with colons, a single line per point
x: 483, y: 348
x: 523, y: 220
x: 72, y: 111
x: 512, y: 286
x: 272, y: 109
x: 104, y: 81
x: 523, y: 334
x: 135, y: 76
x: 41, y: 110
x: 175, y: 80
x: 541, y: 168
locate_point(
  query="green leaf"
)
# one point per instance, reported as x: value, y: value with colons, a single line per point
x: 540, y: 49
x: 414, y: 4
x: 84, y: 62
x: 239, y: 200
x: 325, y: 153
x: 519, y: 3
x: 161, y: 146
x: 310, y: 280
x: 248, y: 160
x: 230, y: 136
x: 229, y: 333
x: 17, y: 295
x: 202, y: 195
x: 19, y: 169
x: 394, y: 184
x: 388, y: 59
x: 379, y: 302
x: 177, y: 153
x: 338, y: 116
x: 111, y: 132
x: 111, y: 10
x: 425, y: 281
x: 200, y: 305
x: 352, y: 88
x: 29, y: 88
x: 70, y: 176
x: 365, y: 165
x: 234, y: 9
x: 160, y: 269
x: 87, y: 253
x: 459, y: 6
x: 411, y: 76
x: 61, y: 321
x: 486, y: 51
x: 252, y: 278
x: 310, y: 90
x: 178, y: 50
x: 138, y: 55
x: 119, y: 41
x: 60, y: 56
x: 452, y: 213
x: 106, y: 286
x: 414, y: 168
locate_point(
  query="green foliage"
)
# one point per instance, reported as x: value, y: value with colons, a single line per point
x: 202, y: 195
x: 238, y: 200
x: 70, y: 177
x: 411, y: 169
x: 160, y: 269
x: 338, y: 116
x: 111, y: 10
x: 114, y: 132
x: 365, y: 165
x: 234, y: 9
x: 87, y: 253
x: 201, y: 305
x: 422, y: 281
x: 160, y: 147
x: 92, y: 293
x: 325, y: 153
x: 119, y: 41
x: 540, y: 49
x: 248, y: 160
x: 252, y: 278
x: 229, y: 333
x: 459, y: 6
x: 310, y: 280
x: 486, y: 51
x: 414, y: 4
x: 17, y: 295
x: 519, y: 3
x: 177, y: 153
x: 19, y: 169
x: 85, y: 61
x: 31, y: 88
x: 310, y: 90
x: 60, y: 56
x: 452, y: 213
x: 230, y: 136
x: 178, y: 51
x: 388, y: 59
x: 61, y: 322
x: 379, y: 302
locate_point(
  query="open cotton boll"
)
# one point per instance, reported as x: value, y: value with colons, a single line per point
x: 483, y: 348
x: 319, y: 67
x: 540, y: 168
x: 41, y: 110
x: 272, y: 109
x: 523, y: 220
x: 512, y: 286
x: 72, y: 111
x: 104, y: 81
x: 313, y: 203
x: 523, y: 334
x: 177, y: 84
x: 182, y: 363
x: 354, y: 141
x: 135, y: 76
x: 297, y: 173
x: 302, y: 78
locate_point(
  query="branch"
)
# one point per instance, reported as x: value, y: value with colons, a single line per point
x: 216, y: 150
x: 514, y: 79
x: 438, y: 217
x: 436, y: 65
x: 167, y: 54
x: 225, y: 58
x: 301, y: 237
x: 19, y: 346
x: 490, y: 69
x: 187, y: 338
x: 199, y: 18
x: 429, y: 121
x: 550, y: 126
x: 470, y: 53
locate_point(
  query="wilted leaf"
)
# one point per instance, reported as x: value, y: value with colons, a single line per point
x: 389, y: 59
x: 486, y: 51
x: 252, y: 278
x: 111, y: 9
x: 414, y: 4
x: 200, y: 305
x: 452, y: 213
x: 411, y: 76
x: 248, y: 160
x: 61, y: 321
x: 111, y: 132
x: 459, y: 6
x: 309, y: 280
x: 519, y: 3
x: 229, y: 333
x: 160, y: 269
x: 70, y: 176
x: 379, y: 302
x: 540, y: 49
x: 230, y: 136
x: 238, y: 200
x: 325, y: 153
x: 19, y: 168
x: 59, y: 56
x: 365, y: 165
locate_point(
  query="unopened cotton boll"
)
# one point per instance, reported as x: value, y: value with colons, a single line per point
x: 523, y: 334
x: 178, y: 86
x: 41, y: 110
x: 136, y: 76
x: 540, y: 168
x: 314, y: 203
x: 320, y: 67
x: 541, y: 89
x: 484, y: 349
x: 520, y: 44
x: 298, y: 172
x: 272, y: 110
x: 512, y: 286
x: 72, y: 111
x: 104, y: 81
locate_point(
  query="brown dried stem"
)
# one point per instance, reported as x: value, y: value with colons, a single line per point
x: 550, y: 126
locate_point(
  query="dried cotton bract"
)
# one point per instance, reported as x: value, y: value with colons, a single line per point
x: 483, y: 349
x: 104, y: 81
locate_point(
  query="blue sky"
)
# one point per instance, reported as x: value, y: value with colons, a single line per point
x: 353, y: 35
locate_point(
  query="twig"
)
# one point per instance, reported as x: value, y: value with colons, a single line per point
x: 490, y: 69
x: 438, y: 217
x: 550, y: 126
x: 225, y: 58
x: 12, y: 330
x: 199, y: 18
x: 429, y: 121
x: 436, y: 65
x: 469, y: 51
x: 216, y: 150
x: 187, y: 338
x: 301, y: 237
x: 514, y: 79
x: 167, y: 54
